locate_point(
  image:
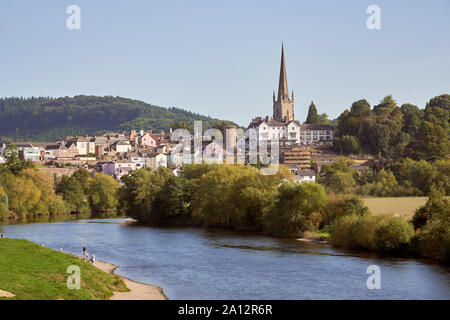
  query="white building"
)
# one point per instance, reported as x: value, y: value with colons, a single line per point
x: 122, y: 146
x: 157, y: 160
x: 306, y: 176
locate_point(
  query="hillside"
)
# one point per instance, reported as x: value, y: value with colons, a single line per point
x: 48, y: 119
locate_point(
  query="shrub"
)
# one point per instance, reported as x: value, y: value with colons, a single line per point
x: 393, y: 234
x: 436, y: 204
x: 433, y: 240
x: 381, y: 232
x: 355, y: 231
x: 342, y: 205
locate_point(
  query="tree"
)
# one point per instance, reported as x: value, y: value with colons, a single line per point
x: 323, y: 119
x: 347, y: 145
x: 436, y: 204
x: 295, y: 203
x: 155, y: 197
x: 356, y: 122
x: 313, y: 116
x: 12, y: 161
x: 103, y: 193
x: 413, y: 119
x: 73, y: 193
x: 433, y: 140
x: 4, y: 204
x: 338, y: 177
x: 380, y: 184
x: 23, y: 194
x: 388, y: 109
x: 437, y: 111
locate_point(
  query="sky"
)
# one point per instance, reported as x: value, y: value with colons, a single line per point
x: 222, y: 58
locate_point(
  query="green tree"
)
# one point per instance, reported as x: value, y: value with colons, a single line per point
x: 347, y: 145
x: 380, y: 184
x: 295, y: 203
x: 433, y: 140
x: 413, y: 119
x: 323, y: 119
x: 338, y: 177
x: 4, y: 204
x: 313, y: 116
x: 436, y: 204
x: 73, y: 193
x: 103, y: 193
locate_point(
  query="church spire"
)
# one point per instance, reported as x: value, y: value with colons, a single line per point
x: 283, y: 92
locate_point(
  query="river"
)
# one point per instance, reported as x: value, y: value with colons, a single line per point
x: 194, y: 263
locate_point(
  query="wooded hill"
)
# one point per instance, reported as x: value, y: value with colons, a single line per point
x: 49, y: 119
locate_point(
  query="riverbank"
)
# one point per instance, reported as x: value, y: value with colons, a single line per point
x: 26, y: 266
x: 138, y: 291
x: 29, y: 271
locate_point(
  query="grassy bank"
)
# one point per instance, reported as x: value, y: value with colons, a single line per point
x: 31, y: 271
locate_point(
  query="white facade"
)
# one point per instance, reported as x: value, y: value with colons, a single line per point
x: 85, y: 147
x: 159, y: 160
x: 292, y: 132
x: 30, y: 153
x: 311, y: 177
x: 123, y: 146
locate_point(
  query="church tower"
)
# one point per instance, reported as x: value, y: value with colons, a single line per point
x: 283, y: 107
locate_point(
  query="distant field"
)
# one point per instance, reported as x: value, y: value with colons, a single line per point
x: 402, y: 206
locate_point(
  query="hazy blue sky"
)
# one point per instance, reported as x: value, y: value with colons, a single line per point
x: 222, y: 58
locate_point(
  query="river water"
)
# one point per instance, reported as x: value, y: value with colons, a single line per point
x: 193, y: 263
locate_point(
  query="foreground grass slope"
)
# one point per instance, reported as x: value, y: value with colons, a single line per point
x: 31, y: 271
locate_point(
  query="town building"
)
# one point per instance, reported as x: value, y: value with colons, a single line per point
x: 296, y: 159
x: 306, y: 176
x: 155, y: 161
x: 122, y: 146
x: 60, y: 150
x: 118, y: 168
x: 26, y: 151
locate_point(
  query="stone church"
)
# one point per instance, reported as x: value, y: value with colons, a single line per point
x: 282, y: 125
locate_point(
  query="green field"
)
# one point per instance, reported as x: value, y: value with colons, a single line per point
x: 401, y: 206
x: 33, y: 272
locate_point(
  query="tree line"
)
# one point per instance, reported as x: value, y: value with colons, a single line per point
x: 387, y: 130
x: 404, y: 177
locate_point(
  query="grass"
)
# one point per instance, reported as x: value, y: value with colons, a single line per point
x: 401, y: 206
x: 34, y: 272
